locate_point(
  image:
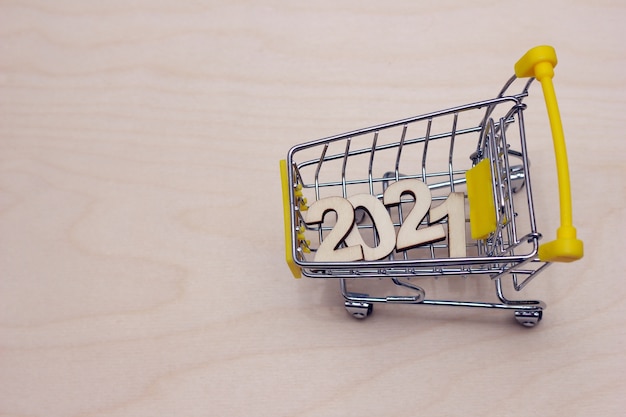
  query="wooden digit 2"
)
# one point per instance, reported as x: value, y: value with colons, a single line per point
x: 328, y: 250
x: 409, y: 235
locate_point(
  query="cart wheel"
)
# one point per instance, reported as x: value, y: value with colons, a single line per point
x: 359, y: 310
x: 528, y: 318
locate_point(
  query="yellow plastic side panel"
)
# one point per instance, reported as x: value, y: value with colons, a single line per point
x: 295, y: 270
x: 480, y: 196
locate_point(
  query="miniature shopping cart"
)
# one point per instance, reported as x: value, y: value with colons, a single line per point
x: 443, y: 194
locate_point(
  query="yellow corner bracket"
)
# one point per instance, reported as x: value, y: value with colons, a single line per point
x: 295, y: 270
x: 482, y: 210
x: 539, y: 62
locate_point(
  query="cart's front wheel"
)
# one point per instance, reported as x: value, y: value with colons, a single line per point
x: 359, y: 310
x: 528, y: 318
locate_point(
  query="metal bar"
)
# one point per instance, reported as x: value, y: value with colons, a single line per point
x: 392, y: 145
x: 371, y: 164
x: 450, y: 153
x: 343, y: 169
x: 511, y: 229
x: 515, y: 99
x: 438, y: 185
x: 317, y: 172
x: 525, y: 161
x: 399, y: 154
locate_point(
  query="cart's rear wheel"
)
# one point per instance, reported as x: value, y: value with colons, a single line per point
x: 528, y: 318
x: 359, y: 310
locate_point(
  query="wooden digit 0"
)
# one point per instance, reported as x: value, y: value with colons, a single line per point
x: 328, y: 250
x: 382, y: 222
x: 409, y: 235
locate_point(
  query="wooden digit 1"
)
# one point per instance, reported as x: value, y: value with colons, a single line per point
x: 381, y: 221
x: 409, y: 235
x: 328, y: 251
x: 453, y: 207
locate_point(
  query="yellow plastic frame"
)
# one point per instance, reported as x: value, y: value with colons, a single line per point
x: 295, y: 269
x: 539, y: 62
x: 482, y: 213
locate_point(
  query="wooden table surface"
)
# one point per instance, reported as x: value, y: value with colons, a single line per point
x: 141, y: 231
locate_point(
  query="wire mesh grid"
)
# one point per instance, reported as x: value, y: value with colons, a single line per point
x: 437, y: 149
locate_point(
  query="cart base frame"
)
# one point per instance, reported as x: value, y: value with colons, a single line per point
x: 527, y: 313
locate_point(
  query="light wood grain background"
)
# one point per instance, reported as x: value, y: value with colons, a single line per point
x: 141, y: 249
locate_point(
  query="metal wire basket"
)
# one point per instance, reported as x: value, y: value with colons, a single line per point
x: 446, y: 193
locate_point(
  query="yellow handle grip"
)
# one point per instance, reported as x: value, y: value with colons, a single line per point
x: 539, y: 62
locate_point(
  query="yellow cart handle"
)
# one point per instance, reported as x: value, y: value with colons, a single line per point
x: 539, y: 62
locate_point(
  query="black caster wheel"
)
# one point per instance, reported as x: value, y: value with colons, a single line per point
x: 359, y: 310
x: 528, y: 318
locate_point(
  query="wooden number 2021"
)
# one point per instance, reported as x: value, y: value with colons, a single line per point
x: 410, y: 234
